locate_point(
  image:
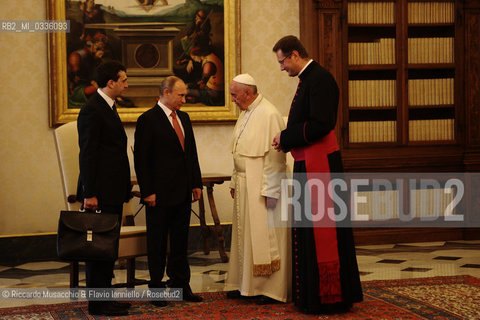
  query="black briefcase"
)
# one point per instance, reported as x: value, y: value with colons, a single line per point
x: 87, y: 236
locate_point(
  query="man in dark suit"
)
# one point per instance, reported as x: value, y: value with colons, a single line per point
x: 168, y: 174
x: 325, y: 271
x: 104, y: 181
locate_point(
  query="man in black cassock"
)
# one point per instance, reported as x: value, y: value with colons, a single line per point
x: 324, y: 264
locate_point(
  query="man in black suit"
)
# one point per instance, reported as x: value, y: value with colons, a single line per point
x: 168, y: 174
x: 104, y: 181
x: 325, y: 271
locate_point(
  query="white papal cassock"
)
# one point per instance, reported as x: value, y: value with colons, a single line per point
x: 260, y: 252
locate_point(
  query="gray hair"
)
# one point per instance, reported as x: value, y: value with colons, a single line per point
x: 168, y: 83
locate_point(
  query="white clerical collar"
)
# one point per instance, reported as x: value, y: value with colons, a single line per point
x: 255, y: 102
x: 305, y: 67
x: 107, y: 99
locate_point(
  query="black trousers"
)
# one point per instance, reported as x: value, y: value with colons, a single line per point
x: 99, y: 273
x: 163, y: 222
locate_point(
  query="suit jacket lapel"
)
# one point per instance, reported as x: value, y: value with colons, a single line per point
x: 165, y: 122
x: 111, y: 116
x: 307, y: 70
x: 105, y: 105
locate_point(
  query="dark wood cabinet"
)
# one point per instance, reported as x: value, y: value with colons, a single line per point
x: 409, y: 75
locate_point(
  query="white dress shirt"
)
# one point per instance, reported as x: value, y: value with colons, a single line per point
x: 168, y: 112
x: 109, y: 100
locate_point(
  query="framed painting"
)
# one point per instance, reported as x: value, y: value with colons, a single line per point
x: 196, y: 40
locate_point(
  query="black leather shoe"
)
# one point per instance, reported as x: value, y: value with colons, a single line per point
x: 263, y: 300
x: 107, y: 309
x: 159, y: 303
x: 188, y: 295
x: 124, y: 305
x: 235, y: 294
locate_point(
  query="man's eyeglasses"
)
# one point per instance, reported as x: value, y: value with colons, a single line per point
x: 282, y: 62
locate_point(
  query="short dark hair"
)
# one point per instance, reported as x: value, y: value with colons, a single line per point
x: 168, y: 83
x: 288, y: 44
x: 107, y: 71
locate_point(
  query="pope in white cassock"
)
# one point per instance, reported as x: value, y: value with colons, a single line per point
x: 260, y: 251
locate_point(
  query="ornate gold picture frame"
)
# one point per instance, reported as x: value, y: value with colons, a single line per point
x: 150, y: 48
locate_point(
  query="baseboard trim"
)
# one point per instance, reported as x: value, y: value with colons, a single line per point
x: 372, y: 236
x: 19, y: 249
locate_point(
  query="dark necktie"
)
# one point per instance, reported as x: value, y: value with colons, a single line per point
x: 178, y: 130
x: 114, y: 108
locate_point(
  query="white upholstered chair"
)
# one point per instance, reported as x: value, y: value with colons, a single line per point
x: 132, y: 238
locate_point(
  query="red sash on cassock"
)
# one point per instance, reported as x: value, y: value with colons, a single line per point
x: 324, y: 230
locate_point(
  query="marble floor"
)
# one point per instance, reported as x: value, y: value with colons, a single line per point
x: 376, y: 262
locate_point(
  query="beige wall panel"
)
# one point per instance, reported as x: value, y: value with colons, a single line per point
x: 31, y: 193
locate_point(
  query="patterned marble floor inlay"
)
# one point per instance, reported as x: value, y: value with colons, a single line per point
x: 217, y: 272
x: 18, y: 273
x: 469, y: 265
x: 208, y: 273
x: 417, y: 269
x: 391, y: 261
x: 447, y: 258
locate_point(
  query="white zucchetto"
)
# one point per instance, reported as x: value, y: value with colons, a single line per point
x: 245, y: 78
